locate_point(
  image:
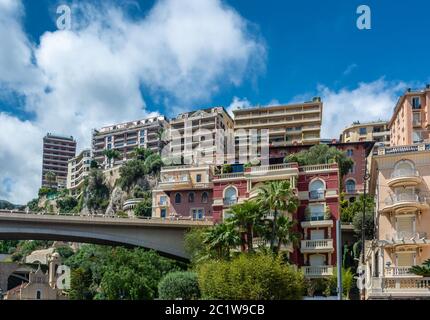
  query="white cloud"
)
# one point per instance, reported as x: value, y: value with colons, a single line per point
x: 238, y: 103
x: 73, y: 81
x: 367, y: 102
x: 349, y: 69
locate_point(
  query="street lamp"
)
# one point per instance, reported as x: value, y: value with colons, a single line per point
x: 363, y: 219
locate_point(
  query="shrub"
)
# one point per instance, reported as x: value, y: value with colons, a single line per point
x: 179, y: 285
x: 250, y: 277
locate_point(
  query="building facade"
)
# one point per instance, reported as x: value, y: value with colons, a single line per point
x: 57, y: 151
x: 184, y: 192
x: 371, y: 131
x: 200, y: 137
x: 78, y: 170
x: 284, y: 125
x: 125, y: 137
x: 317, y: 188
x: 410, y: 122
x: 400, y: 182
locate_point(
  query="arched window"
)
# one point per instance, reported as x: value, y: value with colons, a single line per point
x: 404, y: 168
x: 205, y: 197
x: 350, y: 186
x: 230, y: 196
x: 191, y: 197
x: 317, y: 190
x: 178, y: 198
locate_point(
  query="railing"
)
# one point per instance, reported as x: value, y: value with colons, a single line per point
x: 317, y: 195
x: 422, y: 284
x: 406, y: 235
x: 317, y: 271
x: 398, y: 271
x: 401, y: 149
x: 230, y: 202
x: 402, y: 173
x: 274, y: 167
x: 316, y: 216
x: 405, y: 197
x: 131, y: 203
x: 319, y: 167
x: 317, y: 244
x: 230, y: 175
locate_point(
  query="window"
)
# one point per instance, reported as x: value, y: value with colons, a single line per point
x: 363, y: 131
x: 178, y: 198
x: 317, y: 212
x: 191, y: 197
x: 109, y: 139
x: 163, y: 200
x: 317, y: 190
x: 199, y: 178
x: 404, y: 168
x: 416, y: 119
x: 416, y: 103
x: 350, y: 152
x: 198, y: 214
x: 350, y: 186
x: 205, y: 197
x: 417, y: 137
x: 163, y: 213
x: 230, y: 196
x: 38, y: 295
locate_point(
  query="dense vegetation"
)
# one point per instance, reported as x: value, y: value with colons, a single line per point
x: 179, y: 285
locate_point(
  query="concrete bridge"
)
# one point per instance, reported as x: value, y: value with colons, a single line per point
x: 163, y: 236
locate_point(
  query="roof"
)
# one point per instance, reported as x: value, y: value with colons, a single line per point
x: 245, y: 109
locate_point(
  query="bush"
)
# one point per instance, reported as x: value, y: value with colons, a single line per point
x: 179, y: 285
x: 250, y: 277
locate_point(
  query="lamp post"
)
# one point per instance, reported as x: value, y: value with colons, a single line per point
x: 363, y: 231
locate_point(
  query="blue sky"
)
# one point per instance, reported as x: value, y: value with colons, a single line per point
x: 128, y: 59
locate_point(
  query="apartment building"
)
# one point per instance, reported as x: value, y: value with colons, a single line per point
x: 370, y: 131
x: 184, y: 192
x: 400, y: 182
x: 317, y: 188
x: 78, y: 170
x: 200, y: 137
x: 57, y: 151
x: 410, y: 122
x: 283, y: 125
x: 125, y: 137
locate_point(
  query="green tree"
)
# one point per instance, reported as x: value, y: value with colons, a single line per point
x: 320, y: 154
x: 194, y: 244
x: 67, y: 204
x: 220, y: 238
x: 245, y: 216
x: 250, y: 277
x: 131, y: 173
x: 277, y: 196
x: 80, y: 285
x: 144, y: 208
x: 285, y: 233
x: 423, y: 270
x: 97, y: 191
x: 347, y: 283
x: 356, y: 210
x: 112, y: 155
x: 7, y: 246
x: 179, y: 285
x: 65, y: 252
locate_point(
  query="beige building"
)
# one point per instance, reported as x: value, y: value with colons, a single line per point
x: 410, y: 122
x: 370, y: 131
x: 78, y: 170
x: 282, y: 125
x: 125, y: 137
x: 199, y: 137
x: 41, y: 285
x: 400, y: 182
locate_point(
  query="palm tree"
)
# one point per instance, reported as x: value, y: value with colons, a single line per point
x: 285, y: 232
x: 277, y: 196
x: 153, y: 163
x: 51, y: 178
x: 142, y: 153
x: 221, y: 238
x: 245, y: 216
x: 112, y: 154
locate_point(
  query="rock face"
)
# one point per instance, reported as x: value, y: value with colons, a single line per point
x: 117, y: 199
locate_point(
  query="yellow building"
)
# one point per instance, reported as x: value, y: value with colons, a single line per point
x: 400, y: 182
x: 370, y: 131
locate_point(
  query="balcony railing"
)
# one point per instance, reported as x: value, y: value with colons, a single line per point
x: 317, y: 271
x: 398, y: 271
x: 404, y: 173
x: 317, y: 195
x: 230, y: 202
x: 405, y: 197
x: 406, y: 235
x: 326, y: 244
x: 416, y: 285
x: 274, y: 167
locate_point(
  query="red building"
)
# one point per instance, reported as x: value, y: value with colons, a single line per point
x: 317, y: 188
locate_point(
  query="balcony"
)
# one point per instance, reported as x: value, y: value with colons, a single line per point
x: 404, y: 177
x: 405, y: 202
x: 400, y: 288
x: 318, y: 221
x: 261, y: 243
x: 317, y: 271
x: 407, y: 238
x: 269, y: 172
x: 317, y: 195
x: 230, y: 202
x: 395, y: 272
x: 317, y: 246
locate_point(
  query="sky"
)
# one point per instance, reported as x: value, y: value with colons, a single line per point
x: 126, y: 60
